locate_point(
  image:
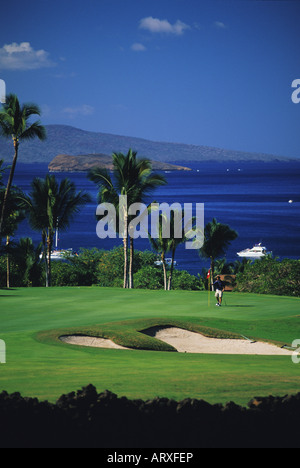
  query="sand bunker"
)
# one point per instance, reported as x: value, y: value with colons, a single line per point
x: 90, y: 341
x: 187, y: 342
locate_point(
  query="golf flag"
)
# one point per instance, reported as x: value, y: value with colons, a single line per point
x: 208, y: 277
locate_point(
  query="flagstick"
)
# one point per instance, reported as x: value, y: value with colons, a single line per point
x: 209, y: 281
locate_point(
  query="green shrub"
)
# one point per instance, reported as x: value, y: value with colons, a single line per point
x: 149, y: 277
x: 79, y: 270
x: 185, y: 281
x: 25, y: 267
x: 110, y: 268
x: 270, y: 276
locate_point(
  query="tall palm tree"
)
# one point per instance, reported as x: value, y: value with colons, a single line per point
x: 134, y: 179
x: 52, y: 206
x: 15, y: 124
x: 187, y: 227
x: 217, y: 238
x: 181, y: 229
x: 146, y: 183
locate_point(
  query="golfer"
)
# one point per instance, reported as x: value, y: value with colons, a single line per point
x: 219, y: 288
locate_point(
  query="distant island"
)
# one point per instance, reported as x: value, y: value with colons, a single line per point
x: 67, y: 140
x: 85, y: 162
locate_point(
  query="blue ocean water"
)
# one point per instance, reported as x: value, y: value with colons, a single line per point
x: 253, y: 198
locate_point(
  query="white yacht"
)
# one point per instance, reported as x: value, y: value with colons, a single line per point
x: 258, y: 251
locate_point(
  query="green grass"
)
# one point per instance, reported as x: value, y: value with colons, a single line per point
x: 40, y: 365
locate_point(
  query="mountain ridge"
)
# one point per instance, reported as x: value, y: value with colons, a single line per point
x: 64, y: 139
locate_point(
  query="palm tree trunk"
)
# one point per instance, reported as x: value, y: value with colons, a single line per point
x: 9, y: 184
x: 212, y: 272
x: 163, y: 257
x: 125, y: 283
x: 45, y: 257
x: 49, y: 251
x: 171, y: 270
x: 131, y: 285
x: 7, y: 265
x: 125, y: 242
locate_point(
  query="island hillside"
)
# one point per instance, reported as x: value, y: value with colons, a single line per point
x: 85, y: 162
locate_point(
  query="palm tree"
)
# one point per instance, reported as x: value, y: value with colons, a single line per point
x: 27, y: 258
x: 15, y: 124
x: 52, y: 206
x: 14, y: 215
x: 187, y: 227
x: 162, y: 245
x: 132, y: 178
x: 217, y: 238
x: 179, y: 234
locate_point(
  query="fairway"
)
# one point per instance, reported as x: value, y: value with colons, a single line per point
x: 42, y: 367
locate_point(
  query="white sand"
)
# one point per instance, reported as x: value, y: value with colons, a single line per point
x: 90, y: 341
x: 188, y: 342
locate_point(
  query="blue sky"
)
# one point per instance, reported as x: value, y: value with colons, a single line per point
x: 215, y: 73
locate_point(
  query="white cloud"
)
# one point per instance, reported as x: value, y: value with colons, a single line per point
x: 23, y: 57
x: 220, y: 25
x: 137, y: 47
x: 156, y: 25
x: 83, y: 110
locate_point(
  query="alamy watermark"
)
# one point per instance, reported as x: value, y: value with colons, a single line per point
x: 296, y: 353
x: 2, y: 352
x: 2, y: 91
x: 296, y: 94
x: 138, y: 220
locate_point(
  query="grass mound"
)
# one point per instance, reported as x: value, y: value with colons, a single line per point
x: 130, y: 334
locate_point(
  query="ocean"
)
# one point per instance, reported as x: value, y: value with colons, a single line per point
x: 253, y: 198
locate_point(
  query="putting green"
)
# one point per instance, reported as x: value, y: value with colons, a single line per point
x: 38, y: 365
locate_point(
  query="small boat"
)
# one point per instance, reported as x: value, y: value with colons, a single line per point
x: 167, y: 260
x: 59, y: 254
x: 258, y: 251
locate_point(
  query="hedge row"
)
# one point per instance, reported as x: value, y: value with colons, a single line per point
x: 97, y: 267
x: 86, y: 419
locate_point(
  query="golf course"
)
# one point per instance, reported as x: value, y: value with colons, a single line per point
x: 38, y: 364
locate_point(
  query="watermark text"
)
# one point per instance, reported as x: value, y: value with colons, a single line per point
x: 2, y: 352
x: 175, y: 221
x: 296, y: 93
x: 296, y: 353
x: 2, y: 91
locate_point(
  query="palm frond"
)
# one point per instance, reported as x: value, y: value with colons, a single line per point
x: 14, y: 120
x: 29, y: 109
x: 35, y: 130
